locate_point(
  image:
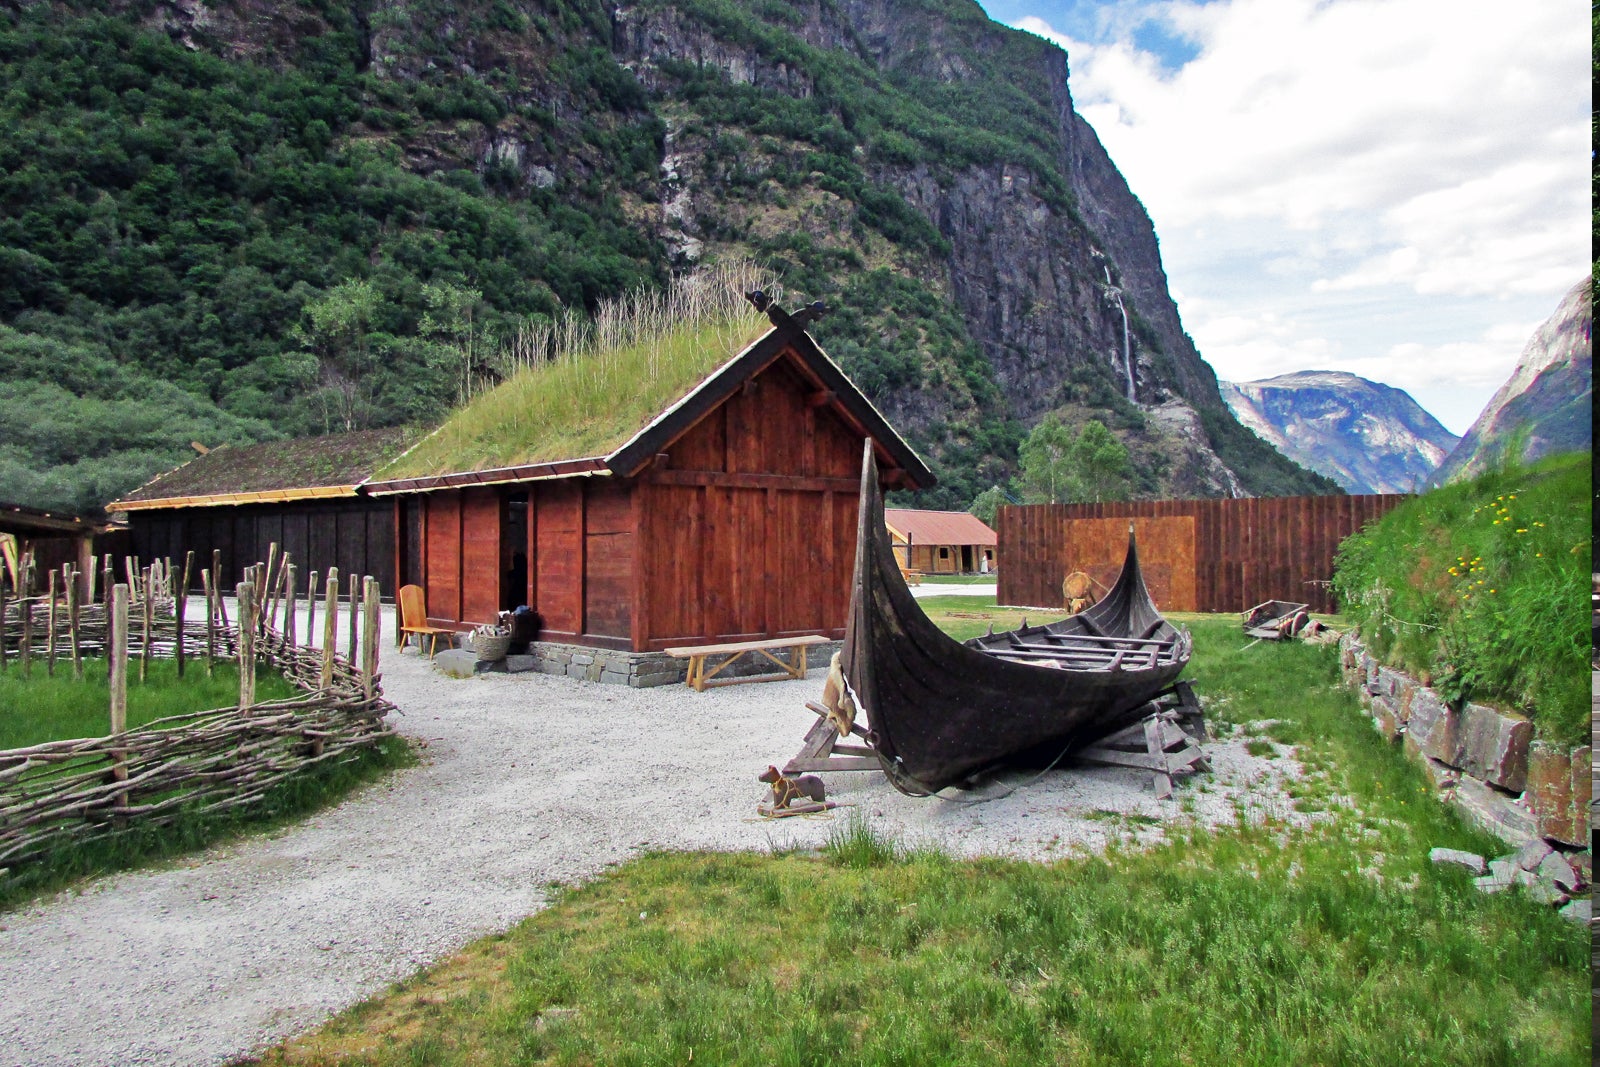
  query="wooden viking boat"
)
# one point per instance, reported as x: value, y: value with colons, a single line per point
x: 939, y: 711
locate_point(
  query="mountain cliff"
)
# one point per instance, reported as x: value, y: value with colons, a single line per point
x: 1368, y: 437
x: 271, y: 221
x: 1545, y: 406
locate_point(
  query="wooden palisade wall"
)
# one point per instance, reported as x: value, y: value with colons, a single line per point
x: 1244, y: 551
x: 355, y: 535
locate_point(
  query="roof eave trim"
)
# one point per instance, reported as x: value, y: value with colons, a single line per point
x: 528, y: 472
x: 263, y: 496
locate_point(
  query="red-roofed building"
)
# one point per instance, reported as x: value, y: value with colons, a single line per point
x: 941, y: 542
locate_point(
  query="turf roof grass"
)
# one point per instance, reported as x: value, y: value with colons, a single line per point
x: 579, y: 406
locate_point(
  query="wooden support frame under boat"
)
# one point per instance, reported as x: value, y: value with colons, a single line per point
x: 940, y: 711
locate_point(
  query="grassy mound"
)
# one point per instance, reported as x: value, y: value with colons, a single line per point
x: 1480, y: 589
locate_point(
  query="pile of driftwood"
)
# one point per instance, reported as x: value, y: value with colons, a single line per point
x: 89, y: 788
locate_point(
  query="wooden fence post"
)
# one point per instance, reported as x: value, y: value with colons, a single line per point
x: 330, y: 630
x: 355, y: 596
x: 292, y: 602
x: 24, y: 605
x: 2, y: 615
x: 211, y: 619
x: 182, y: 606
x: 74, y: 607
x: 311, y: 610
x: 147, y: 616
x: 50, y: 629
x: 117, y: 671
x: 369, y: 661
x: 246, y: 593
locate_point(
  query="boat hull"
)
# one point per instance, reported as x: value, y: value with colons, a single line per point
x: 939, y: 711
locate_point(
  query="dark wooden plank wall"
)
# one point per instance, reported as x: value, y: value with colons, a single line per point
x: 1245, y: 551
x: 357, y: 536
x: 747, y: 529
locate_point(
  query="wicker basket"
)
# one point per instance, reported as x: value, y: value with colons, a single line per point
x: 491, y: 647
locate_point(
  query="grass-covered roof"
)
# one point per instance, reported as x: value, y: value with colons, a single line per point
x: 607, y: 378
x: 282, y: 467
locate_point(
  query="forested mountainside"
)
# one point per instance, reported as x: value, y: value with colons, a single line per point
x: 1367, y: 436
x: 1546, y: 406
x: 231, y: 220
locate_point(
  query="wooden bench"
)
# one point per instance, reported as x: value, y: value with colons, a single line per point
x: 700, y: 678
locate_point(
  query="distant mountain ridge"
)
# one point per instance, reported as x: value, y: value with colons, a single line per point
x: 1550, y: 394
x: 1367, y: 436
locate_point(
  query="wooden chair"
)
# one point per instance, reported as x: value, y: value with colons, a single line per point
x: 414, y: 619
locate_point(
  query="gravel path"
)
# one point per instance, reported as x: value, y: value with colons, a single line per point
x: 526, y: 780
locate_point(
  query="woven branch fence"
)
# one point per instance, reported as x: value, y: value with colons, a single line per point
x: 81, y: 790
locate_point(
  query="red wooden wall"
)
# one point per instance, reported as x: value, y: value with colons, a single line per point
x: 744, y: 527
x: 749, y: 523
x: 1245, y: 551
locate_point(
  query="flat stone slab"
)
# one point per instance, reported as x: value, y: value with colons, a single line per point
x: 1493, y: 811
x: 1579, y: 910
x: 1455, y: 857
x: 1533, y: 853
x: 1493, y: 746
x: 456, y: 663
x: 1559, y: 872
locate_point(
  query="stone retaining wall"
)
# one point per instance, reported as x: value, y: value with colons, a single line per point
x: 1504, y: 780
x: 636, y: 669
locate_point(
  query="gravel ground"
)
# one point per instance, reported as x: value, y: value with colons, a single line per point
x: 526, y: 780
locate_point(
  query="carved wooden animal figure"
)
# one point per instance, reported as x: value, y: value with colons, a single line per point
x: 836, y: 698
x: 786, y: 790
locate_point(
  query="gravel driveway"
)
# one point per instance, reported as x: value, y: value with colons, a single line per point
x: 526, y: 780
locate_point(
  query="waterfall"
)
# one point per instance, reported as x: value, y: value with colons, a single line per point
x: 1115, y: 293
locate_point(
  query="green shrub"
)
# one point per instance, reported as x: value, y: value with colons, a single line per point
x: 1479, y: 589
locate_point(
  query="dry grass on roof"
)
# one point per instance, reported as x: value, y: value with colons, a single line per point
x: 611, y: 377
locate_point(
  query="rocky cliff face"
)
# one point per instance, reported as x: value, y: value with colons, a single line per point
x: 1047, y: 254
x: 1548, y: 398
x: 1368, y: 437
x: 915, y: 165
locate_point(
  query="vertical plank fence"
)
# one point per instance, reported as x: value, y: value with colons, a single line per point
x: 1244, y: 551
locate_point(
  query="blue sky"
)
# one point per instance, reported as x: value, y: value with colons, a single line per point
x: 1395, y: 188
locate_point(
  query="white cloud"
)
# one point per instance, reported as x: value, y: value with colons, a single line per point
x: 1390, y: 185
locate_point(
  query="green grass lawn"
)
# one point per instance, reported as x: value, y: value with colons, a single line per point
x: 960, y: 579
x: 1258, y: 944
x: 45, y: 708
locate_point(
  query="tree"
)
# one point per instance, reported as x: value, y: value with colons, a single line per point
x: 987, y: 504
x: 339, y: 333
x: 1046, y: 464
x: 1103, y: 468
x: 1059, y: 466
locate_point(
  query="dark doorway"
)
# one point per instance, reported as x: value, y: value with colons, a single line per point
x: 514, y: 553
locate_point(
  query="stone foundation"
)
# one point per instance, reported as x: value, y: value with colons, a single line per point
x: 1484, y: 760
x: 638, y: 670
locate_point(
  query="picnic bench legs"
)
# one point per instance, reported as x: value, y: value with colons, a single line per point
x: 699, y: 677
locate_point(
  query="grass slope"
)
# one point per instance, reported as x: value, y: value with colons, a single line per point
x: 1259, y: 944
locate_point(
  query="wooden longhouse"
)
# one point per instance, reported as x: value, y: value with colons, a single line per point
x: 726, y: 514
x: 306, y: 495
x: 941, y: 542
x: 729, y: 515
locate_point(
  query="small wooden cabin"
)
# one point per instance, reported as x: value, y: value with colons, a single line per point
x: 54, y: 538
x: 305, y: 495
x: 941, y: 542
x: 730, y: 515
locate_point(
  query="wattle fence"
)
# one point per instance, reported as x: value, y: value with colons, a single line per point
x: 84, y: 789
